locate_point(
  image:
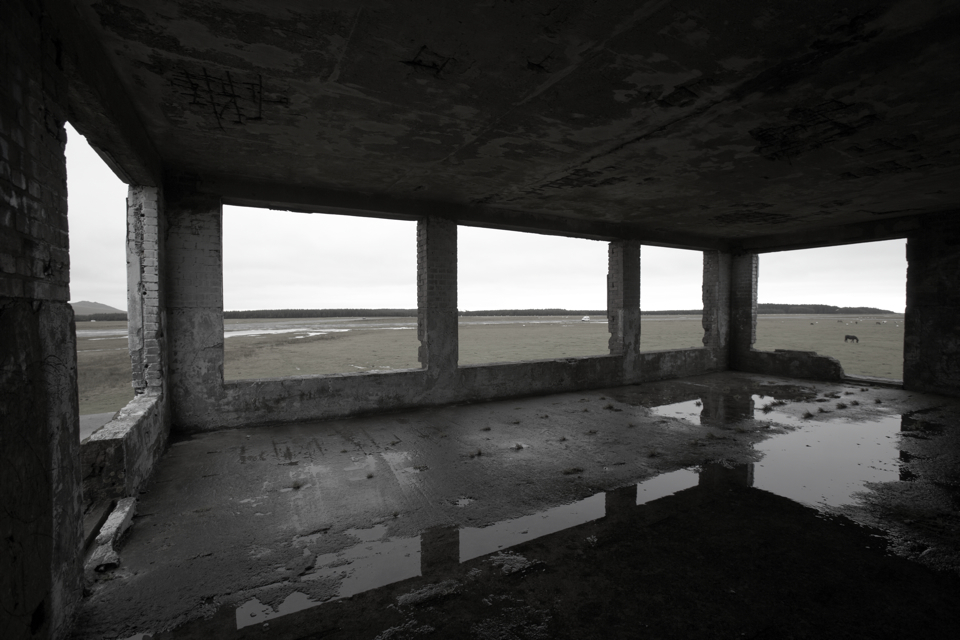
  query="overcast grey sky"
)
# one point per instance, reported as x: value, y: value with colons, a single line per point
x: 279, y: 259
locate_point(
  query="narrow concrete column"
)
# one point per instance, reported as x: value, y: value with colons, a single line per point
x: 194, y: 301
x: 931, y: 340
x: 437, y: 296
x: 623, y: 303
x: 743, y: 308
x: 145, y: 312
x: 716, y: 305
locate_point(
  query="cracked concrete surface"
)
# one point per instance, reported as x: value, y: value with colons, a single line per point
x: 505, y: 519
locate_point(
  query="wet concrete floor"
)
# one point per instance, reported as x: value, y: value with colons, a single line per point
x: 728, y: 505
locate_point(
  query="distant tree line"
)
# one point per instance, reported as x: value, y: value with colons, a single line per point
x: 816, y: 308
x: 765, y: 308
x: 101, y: 317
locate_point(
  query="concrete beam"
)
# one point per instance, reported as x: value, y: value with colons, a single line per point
x: 873, y: 231
x: 316, y: 200
x: 98, y: 104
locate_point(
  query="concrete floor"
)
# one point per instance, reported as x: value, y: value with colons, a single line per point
x: 661, y: 510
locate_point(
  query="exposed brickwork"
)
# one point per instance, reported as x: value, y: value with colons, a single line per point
x: 144, y: 308
x: 623, y: 302
x: 40, y: 525
x: 437, y: 295
x: 931, y: 341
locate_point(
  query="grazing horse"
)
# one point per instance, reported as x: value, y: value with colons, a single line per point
x: 851, y: 339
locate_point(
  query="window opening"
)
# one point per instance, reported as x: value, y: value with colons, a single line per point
x: 98, y: 283
x: 846, y: 302
x: 671, y: 298
x: 308, y: 294
x: 526, y: 296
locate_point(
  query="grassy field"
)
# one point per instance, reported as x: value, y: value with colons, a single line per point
x: 383, y: 344
x: 103, y: 364
x: 879, y: 353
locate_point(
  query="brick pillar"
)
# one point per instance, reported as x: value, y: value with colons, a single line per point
x: 193, y: 273
x: 144, y: 307
x: 743, y: 308
x: 40, y: 513
x: 716, y: 305
x: 623, y: 303
x: 437, y: 296
x: 931, y: 340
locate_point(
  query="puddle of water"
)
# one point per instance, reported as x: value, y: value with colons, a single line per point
x: 822, y: 463
x: 666, y: 484
x: 375, y: 562
x: 479, y: 541
x: 825, y: 463
x: 254, y: 612
x: 689, y: 410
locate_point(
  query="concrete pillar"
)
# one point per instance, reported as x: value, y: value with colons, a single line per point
x: 437, y: 297
x: 716, y: 306
x: 931, y: 341
x: 40, y: 515
x: 743, y: 309
x: 623, y: 304
x: 145, y: 312
x: 194, y: 300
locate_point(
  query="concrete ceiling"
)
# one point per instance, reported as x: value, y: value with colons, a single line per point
x: 697, y: 123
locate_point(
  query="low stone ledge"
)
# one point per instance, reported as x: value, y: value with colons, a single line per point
x: 793, y: 364
x: 117, y: 459
x: 676, y: 363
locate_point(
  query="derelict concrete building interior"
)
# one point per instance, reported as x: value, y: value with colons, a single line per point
x: 734, y: 129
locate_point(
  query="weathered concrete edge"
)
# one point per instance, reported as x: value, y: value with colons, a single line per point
x: 118, y: 458
x: 788, y: 363
x: 677, y: 363
x: 278, y: 400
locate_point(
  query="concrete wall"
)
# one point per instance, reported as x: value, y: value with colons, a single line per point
x: 40, y: 523
x: 200, y: 400
x: 931, y: 350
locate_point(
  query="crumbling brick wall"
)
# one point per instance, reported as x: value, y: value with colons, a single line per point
x: 40, y: 526
x: 145, y: 310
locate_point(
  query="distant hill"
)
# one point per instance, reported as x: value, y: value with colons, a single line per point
x: 85, y: 308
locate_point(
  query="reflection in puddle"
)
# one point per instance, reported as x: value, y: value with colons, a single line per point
x: 375, y: 562
x: 254, y: 612
x: 825, y: 463
x: 475, y: 542
x: 666, y: 484
x: 690, y: 409
x: 820, y: 463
